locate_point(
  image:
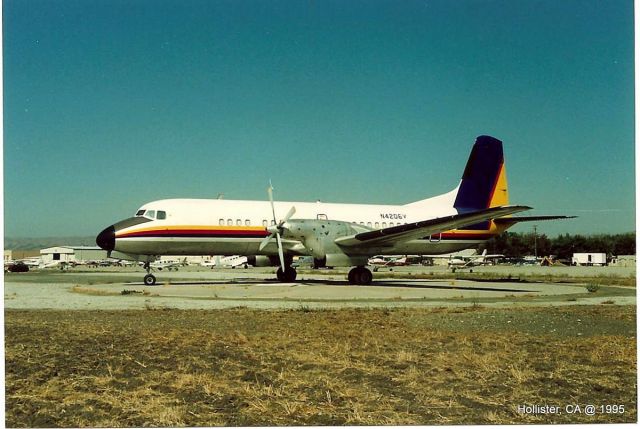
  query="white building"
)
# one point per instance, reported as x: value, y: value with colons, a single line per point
x: 589, y: 259
x: 72, y: 254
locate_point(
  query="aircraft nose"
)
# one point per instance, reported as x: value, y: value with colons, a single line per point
x: 107, y: 238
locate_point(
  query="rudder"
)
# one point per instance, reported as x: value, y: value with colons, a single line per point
x: 484, y: 181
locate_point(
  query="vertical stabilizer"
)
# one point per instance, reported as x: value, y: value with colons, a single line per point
x: 484, y: 181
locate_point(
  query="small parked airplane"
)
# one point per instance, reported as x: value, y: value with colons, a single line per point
x: 388, y: 261
x: 232, y: 261
x: 333, y: 234
x: 167, y: 264
x: 461, y: 262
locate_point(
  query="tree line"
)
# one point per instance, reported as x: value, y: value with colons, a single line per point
x: 514, y: 244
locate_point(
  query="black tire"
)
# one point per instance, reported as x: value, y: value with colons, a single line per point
x: 287, y: 276
x: 291, y: 274
x: 365, y: 277
x: 360, y: 276
x: 149, y: 280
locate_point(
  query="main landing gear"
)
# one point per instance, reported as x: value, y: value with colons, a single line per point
x: 286, y: 276
x: 149, y: 279
x: 360, y: 276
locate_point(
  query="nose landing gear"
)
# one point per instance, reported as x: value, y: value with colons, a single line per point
x: 149, y: 279
x: 287, y: 276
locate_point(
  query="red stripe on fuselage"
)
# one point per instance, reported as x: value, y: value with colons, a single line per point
x: 196, y: 233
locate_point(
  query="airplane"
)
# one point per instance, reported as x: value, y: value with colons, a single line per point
x: 387, y: 261
x: 460, y: 262
x: 335, y: 235
x: 53, y: 264
x: 226, y: 262
x: 167, y: 264
x: 30, y: 262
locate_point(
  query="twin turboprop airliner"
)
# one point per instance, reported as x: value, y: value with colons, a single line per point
x: 336, y: 235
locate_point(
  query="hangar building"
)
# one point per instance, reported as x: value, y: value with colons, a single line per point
x: 72, y: 254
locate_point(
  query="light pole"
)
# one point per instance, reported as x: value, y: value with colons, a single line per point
x: 535, y: 241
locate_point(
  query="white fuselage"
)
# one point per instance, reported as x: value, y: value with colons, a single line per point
x: 231, y: 227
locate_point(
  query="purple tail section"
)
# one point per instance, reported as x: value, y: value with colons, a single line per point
x: 480, y: 175
x: 479, y: 178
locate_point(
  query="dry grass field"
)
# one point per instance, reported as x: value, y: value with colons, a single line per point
x: 327, y: 367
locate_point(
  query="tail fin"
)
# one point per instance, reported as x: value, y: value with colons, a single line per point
x: 484, y: 181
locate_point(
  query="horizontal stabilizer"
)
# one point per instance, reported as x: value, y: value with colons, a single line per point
x: 514, y: 220
x: 417, y: 230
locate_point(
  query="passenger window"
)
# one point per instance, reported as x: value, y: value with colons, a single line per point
x: 377, y: 225
x: 264, y: 222
x: 239, y: 222
x: 368, y: 223
x: 230, y: 222
x: 384, y: 224
x: 151, y: 214
x: 162, y: 215
x: 247, y: 222
x: 221, y: 221
x: 273, y: 222
x: 361, y: 223
x: 390, y: 223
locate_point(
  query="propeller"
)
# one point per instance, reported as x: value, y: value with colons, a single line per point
x: 277, y: 228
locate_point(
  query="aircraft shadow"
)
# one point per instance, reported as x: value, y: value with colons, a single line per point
x: 415, y: 286
x: 342, y: 283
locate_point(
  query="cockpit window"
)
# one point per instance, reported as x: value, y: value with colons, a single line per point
x: 161, y: 215
x: 151, y: 214
x: 140, y: 213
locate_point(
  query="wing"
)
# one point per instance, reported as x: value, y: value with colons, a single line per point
x: 417, y: 230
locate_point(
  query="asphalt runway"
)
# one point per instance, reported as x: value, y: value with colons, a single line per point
x: 259, y: 289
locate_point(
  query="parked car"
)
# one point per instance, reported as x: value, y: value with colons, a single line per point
x: 17, y: 267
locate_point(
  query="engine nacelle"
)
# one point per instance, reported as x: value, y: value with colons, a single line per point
x: 318, y: 237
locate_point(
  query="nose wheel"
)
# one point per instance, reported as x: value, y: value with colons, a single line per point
x: 149, y: 279
x: 287, y: 276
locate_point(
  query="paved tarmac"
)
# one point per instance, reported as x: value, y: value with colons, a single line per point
x: 258, y: 289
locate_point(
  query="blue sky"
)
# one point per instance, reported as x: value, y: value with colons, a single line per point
x: 110, y: 104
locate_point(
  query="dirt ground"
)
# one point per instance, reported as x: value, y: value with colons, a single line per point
x: 469, y: 365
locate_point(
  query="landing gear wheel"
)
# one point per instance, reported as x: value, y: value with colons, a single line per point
x: 360, y: 276
x: 149, y: 279
x: 287, y: 276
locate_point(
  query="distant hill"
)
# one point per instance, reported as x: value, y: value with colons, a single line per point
x: 44, y: 242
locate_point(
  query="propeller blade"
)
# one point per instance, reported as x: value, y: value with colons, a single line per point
x: 273, y: 209
x: 266, y: 241
x: 290, y: 213
x: 280, y: 253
